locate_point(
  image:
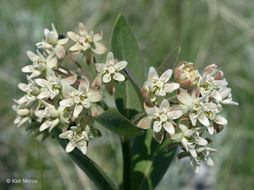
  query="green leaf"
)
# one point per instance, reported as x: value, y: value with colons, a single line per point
x: 124, y: 47
x: 150, y: 161
x: 170, y: 61
x: 94, y: 172
x: 117, y: 123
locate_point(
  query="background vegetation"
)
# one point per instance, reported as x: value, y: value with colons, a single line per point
x: 208, y: 31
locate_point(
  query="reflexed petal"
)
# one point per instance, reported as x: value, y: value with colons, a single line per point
x: 52, y: 63
x: 77, y: 110
x: 76, y: 47
x: 98, y: 36
x: 170, y: 87
x: 203, y: 120
x: 44, y: 94
x: 63, y: 41
x: 156, y: 126
x: 69, y: 80
x: 41, y: 82
x: 99, y: 48
x: 27, y: 69
x: 225, y: 92
x: 106, y: 78
x: 210, y: 129
x: 82, y: 28
x: 45, y: 125
x: 209, y: 161
x: 83, y: 147
x: 54, y: 124
x: 159, y: 136
x: 68, y: 91
x: 73, y: 36
x: 97, y: 81
x: 202, y: 141
x: 185, y: 143
x: 119, y: 77
x: 193, y: 118
x: 174, y: 114
x: 121, y: 65
x: 84, y: 84
x: 60, y: 51
x: 100, y: 67
x: 184, y: 97
x: 94, y: 95
x: 145, y: 123
x: 166, y: 75
x: 152, y: 73
x: 32, y: 56
x: 70, y: 146
x: 23, y: 87
x: 110, y: 58
x: 220, y: 120
x: 66, y: 103
x: 216, y: 95
x: 193, y: 152
x: 169, y: 128
x: 183, y: 127
x: 66, y: 134
x: 164, y: 105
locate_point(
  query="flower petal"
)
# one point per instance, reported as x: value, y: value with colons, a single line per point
x: 60, y: 51
x: 220, y: 120
x: 174, y: 114
x: 170, y: 87
x: 98, y: 36
x: 76, y: 47
x: 166, y: 75
x: 73, y: 36
x: 119, y: 77
x: 77, y: 110
x: 94, y: 95
x: 152, y: 73
x: 99, y: 48
x: 110, y: 57
x: 45, y: 125
x: 70, y: 146
x: 42, y: 82
x: 121, y: 65
x: 66, y: 135
x: 106, y: 78
x: 84, y: 84
x: 52, y: 63
x: 164, y: 106
x: 184, y: 97
x: 66, y: 103
x: 203, y: 120
x: 27, y: 69
x: 100, y: 67
x: 169, y: 128
x: 145, y: 123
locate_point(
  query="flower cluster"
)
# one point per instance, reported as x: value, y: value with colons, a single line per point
x: 195, y: 108
x: 58, y: 97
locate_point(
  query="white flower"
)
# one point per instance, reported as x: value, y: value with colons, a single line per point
x: 50, y: 86
x: 77, y: 138
x: 53, y: 116
x: 40, y: 64
x: 32, y: 90
x: 161, y: 117
x: 87, y: 41
x: 111, y: 69
x: 200, y: 110
x: 80, y: 98
x: 23, y: 114
x: 160, y: 85
x: 53, y: 42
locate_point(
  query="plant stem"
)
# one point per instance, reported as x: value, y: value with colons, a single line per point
x: 79, y: 66
x: 126, y: 150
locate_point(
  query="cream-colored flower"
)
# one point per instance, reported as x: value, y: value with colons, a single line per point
x: 110, y: 69
x: 87, y: 41
x: 40, y: 64
x: 50, y: 86
x: 186, y: 74
x: 53, y: 42
x: 23, y: 114
x: 52, y: 115
x: 200, y: 110
x: 77, y: 138
x: 32, y: 91
x: 81, y: 98
x: 160, y: 85
x: 161, y: 117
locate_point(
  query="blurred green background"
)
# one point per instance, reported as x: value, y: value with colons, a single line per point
x: 208, y: 31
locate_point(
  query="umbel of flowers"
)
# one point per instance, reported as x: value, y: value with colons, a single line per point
x: 57, y: 97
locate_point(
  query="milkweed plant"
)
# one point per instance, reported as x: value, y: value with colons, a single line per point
x: 157, y: 112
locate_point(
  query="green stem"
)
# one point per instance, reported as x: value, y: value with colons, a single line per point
x: 126, y: 150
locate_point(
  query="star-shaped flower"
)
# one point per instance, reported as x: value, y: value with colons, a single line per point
x: 110, y: 69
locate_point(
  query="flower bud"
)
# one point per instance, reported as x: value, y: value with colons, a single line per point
x: 23, y: 112
x: 186, y: 75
